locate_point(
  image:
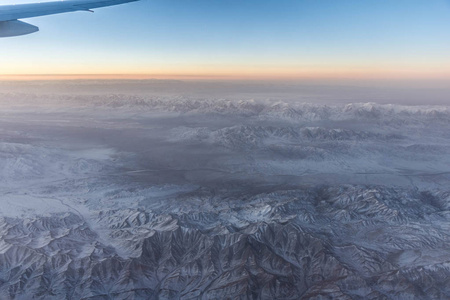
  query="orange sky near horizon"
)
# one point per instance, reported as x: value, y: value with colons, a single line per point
x: 251, y: 73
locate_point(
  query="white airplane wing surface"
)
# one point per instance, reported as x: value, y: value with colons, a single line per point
x: 9, y: 14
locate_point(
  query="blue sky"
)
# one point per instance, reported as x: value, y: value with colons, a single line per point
x: 287, y: 38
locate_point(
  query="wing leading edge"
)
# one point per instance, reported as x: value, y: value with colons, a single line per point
x: 9, y: 14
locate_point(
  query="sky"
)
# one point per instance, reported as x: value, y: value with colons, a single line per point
x: 254, y: 39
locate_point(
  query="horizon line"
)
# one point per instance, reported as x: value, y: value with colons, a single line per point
x: 264, y: 77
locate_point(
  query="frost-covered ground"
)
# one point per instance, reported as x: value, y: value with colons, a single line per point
x: 165, y: 195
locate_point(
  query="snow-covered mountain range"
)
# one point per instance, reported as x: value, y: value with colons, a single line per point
x: 114, y: 196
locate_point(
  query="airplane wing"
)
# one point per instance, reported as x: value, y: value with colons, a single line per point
x: 9, y: 14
